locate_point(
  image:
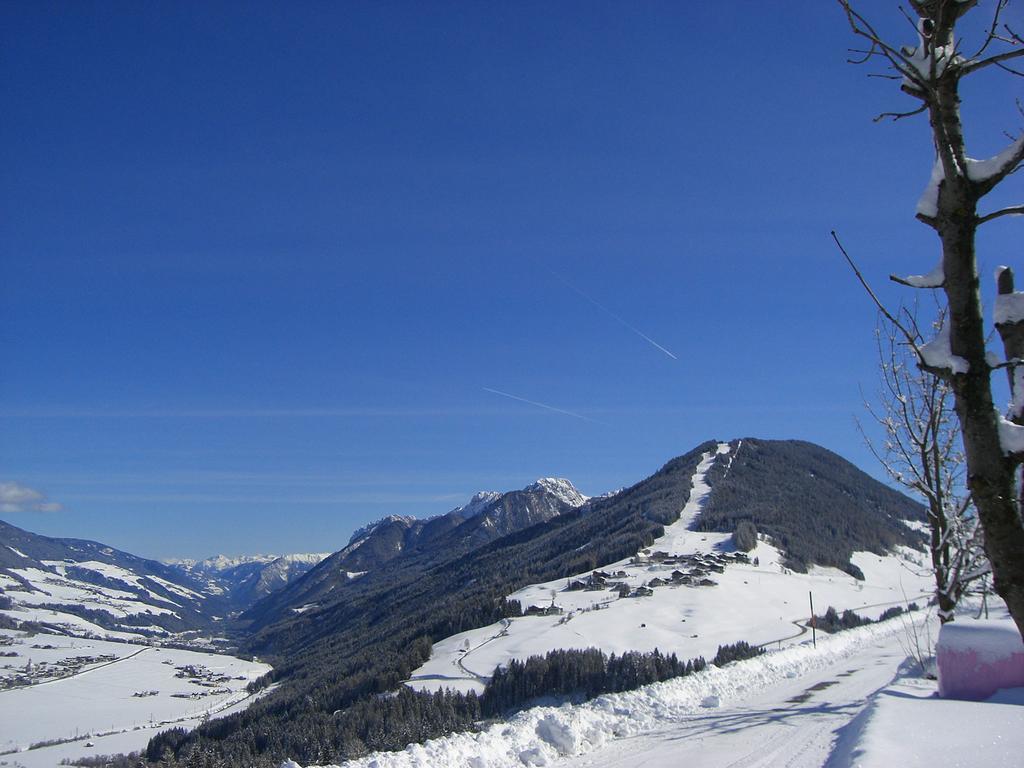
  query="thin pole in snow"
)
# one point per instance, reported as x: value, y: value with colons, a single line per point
x: 814, y: 634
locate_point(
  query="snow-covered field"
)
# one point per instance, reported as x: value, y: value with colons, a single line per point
x: 762, y: 604
x: 98, y: 703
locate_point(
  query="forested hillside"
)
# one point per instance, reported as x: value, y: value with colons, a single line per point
x: 816, y: 506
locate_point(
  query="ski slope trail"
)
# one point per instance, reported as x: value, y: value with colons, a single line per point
x: 795, y: 723
x: 679, y: 537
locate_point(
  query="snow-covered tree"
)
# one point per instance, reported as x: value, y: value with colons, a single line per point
x: 921, y: 452
x: 931, y: 72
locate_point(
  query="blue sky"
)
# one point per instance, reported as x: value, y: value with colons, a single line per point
x: 264, y: 266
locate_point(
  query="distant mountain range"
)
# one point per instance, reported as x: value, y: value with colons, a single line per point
x: 84, y: 587
x: 816, y: 506
x: 246, y: 579
x: 487, y: 516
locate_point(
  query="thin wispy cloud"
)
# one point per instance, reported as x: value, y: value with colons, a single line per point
x: 242, y: 413
x: 612, y: 315
x: 541, y: 405
x: 15, y: 497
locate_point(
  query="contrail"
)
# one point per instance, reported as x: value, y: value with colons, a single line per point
x: 540, y: 405
x: 611, y: 314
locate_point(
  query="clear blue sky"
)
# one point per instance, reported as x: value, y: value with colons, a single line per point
x: 260, y: 264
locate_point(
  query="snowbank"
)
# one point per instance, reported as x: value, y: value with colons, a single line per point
x: 977, y: 658
x: 909, y: 726
x: 542, y: 735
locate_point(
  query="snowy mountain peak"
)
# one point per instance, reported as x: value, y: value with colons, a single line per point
x: 560, y: 488
x: 477, y: 504
x: 221, y: 563
x: 362, y: 533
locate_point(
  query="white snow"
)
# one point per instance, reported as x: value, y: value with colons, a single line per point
x: 976, y: 170
x: 981, y: 170
x: 177, y: 589
x: 100, y: 700
x: 60, y: 621
x: 991, y: 639
x: 480, y: 501
x: 18, y: 552
x: 117, y: 573
x: 623, y: 722
x: 933, y: 279
x: 923, y: 59
x: 937, y: 354
x: 60, y: 590
x: 1011, y: 436
x: 1009, y: 308
x: 928, y: 204
x: 907, y: 725
x: 561, y: 489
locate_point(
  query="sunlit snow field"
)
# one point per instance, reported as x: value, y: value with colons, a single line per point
x: 100, y: 698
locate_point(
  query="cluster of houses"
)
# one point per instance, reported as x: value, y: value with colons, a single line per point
x: 693, y: 570
x: 39, y: 672
x: 689, y: 570
x: 197, y: 674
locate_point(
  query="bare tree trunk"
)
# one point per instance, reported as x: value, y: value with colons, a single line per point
x: 991, y: 474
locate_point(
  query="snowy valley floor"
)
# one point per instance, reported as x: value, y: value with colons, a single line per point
x: 845, y: 703
x: 99, y: 710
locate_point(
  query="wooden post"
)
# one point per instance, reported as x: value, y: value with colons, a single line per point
x: 814, y: 634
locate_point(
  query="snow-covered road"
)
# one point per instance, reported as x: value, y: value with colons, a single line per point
x: 792, y: 724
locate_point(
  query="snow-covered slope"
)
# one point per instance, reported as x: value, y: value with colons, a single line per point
x: 83, y: 587
x: 687, y: 593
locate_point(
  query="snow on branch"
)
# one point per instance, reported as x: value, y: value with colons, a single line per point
x: 937, y: 356
x: 1009, y: 307
x: 928, y: 61
x: 934, y: 279
x: 1011, y: 437
x: 901, y: 60
x: 986, y: 174
x: 1009, y: 321
x: 999, y: 166
x: 928, y: 204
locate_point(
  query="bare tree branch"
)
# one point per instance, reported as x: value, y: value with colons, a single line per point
x: 991, y: 36
x: 1012, y: 71
x: 878, y: 303
x: 1016, y: 210
x: 974, y: 66
x: 900, y: 115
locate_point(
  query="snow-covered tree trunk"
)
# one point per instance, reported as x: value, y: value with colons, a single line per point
x: 993, y: 448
